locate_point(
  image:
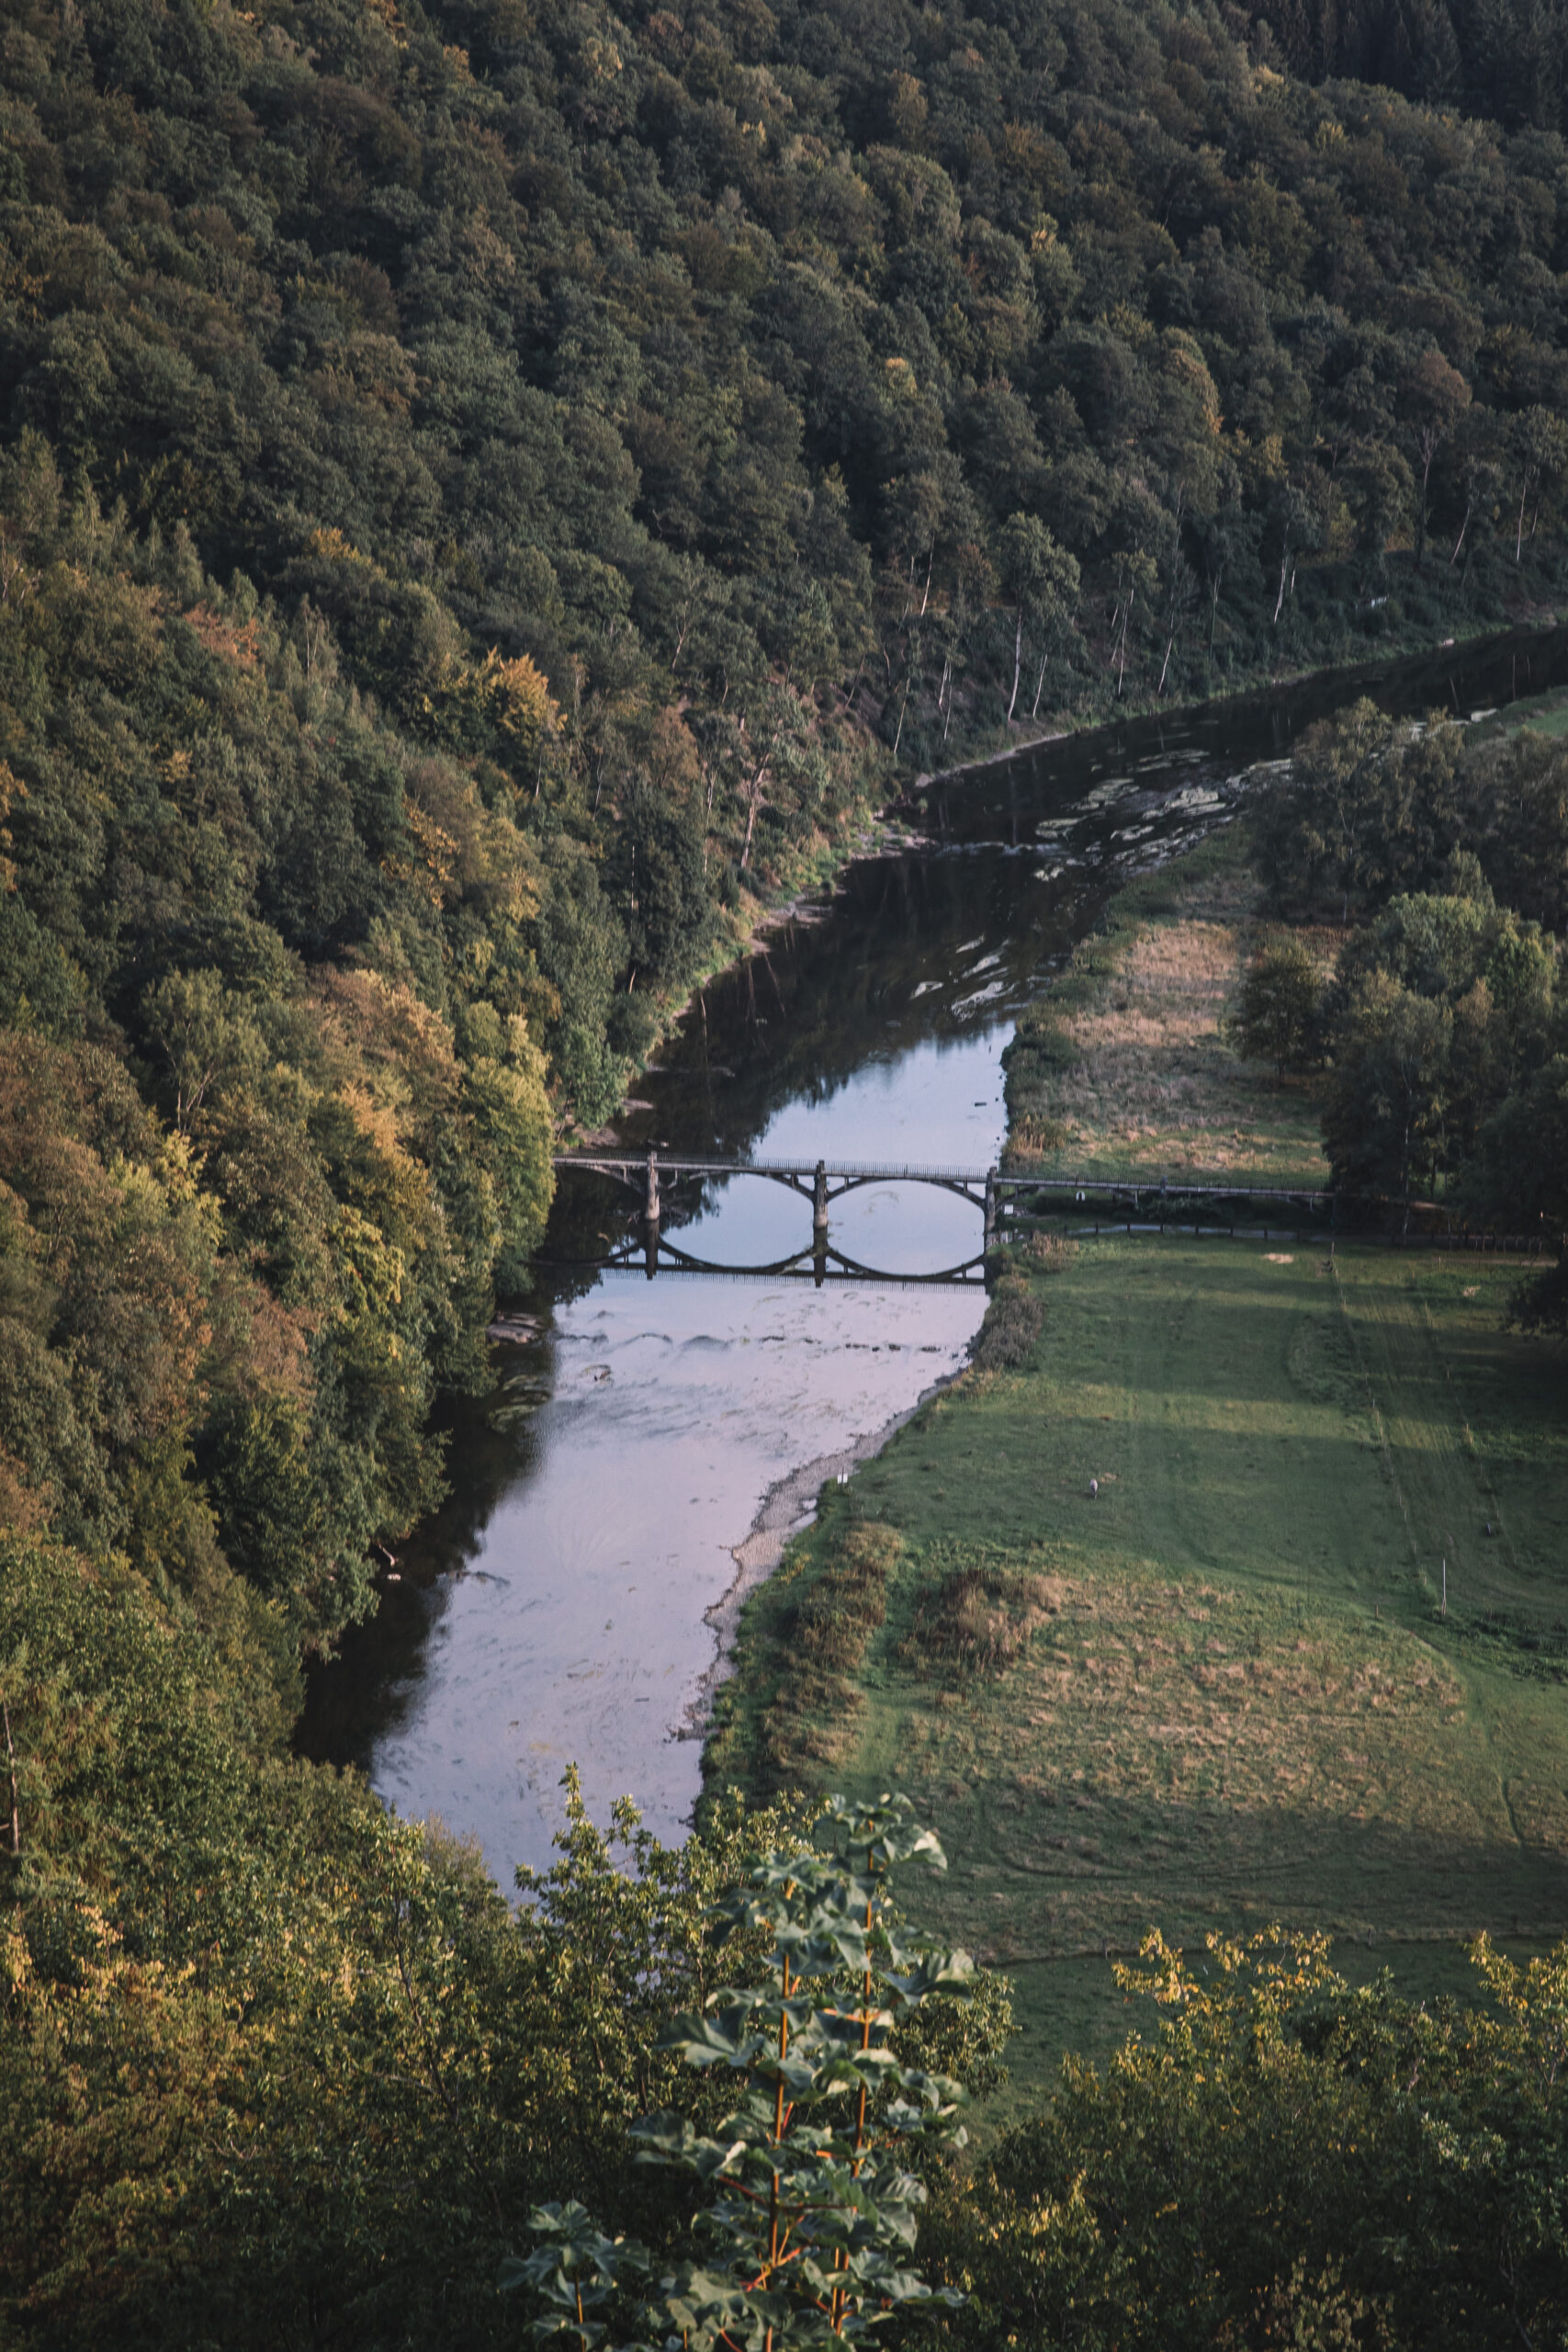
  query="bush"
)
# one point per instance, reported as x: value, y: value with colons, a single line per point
x: 1276, y: 1019
x: 836, y: 1616
x: 1285, y: 2159
x: 1014, y: 1320
x: 978, y: 1620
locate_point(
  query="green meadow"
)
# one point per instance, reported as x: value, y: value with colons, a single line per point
x: 1223, y: 1691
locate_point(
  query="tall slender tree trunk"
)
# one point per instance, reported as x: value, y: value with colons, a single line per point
x: 1284, y: 577
x: 1429, y: 451
x: 754, y: 801
x: 11, y: 1761
x: 1122, y: 648
x: 1469, y: 511
x: 1017, y: 663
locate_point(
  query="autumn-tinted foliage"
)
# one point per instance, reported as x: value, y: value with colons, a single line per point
x: 280, y: 2068
x: 1286, y: 2161
x: 273, y: 1123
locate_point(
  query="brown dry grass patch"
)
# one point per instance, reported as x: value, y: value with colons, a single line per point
x: 1144, y: 1075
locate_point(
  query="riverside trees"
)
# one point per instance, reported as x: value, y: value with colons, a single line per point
x: 1443, y: 1022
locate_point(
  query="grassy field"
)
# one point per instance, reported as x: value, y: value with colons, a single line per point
x: 1223, y: 1692
x: 1546, y: 714
x: 1124, y: 1067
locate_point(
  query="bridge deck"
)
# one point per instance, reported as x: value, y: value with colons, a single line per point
x: 1007, y: 1179
x: 672, y: 1166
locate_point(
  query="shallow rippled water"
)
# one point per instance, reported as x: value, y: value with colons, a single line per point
x: 576, y: 1630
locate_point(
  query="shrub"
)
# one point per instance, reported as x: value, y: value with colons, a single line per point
x: 836, y: 1617
x: 978, y: 1620
x: 1014, y: 1320
x: 1276, y: 1020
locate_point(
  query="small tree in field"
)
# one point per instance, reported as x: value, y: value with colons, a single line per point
x: 1277, y: 1018
x: 812, y: 2202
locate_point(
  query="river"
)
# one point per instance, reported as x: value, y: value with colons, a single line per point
x: 559, y: 1610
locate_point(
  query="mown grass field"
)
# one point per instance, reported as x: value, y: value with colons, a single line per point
x: 1222, y: 1692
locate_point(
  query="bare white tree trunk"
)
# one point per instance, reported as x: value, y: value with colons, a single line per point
x: 1285, y: 576
x: 898, y: 730
x: 754, y: 798
x: 1470, y: 509
x: 1122, y: 648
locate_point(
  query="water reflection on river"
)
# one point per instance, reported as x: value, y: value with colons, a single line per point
x: 555, y: 1611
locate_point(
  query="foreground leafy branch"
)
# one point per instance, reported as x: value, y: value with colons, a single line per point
x: 813, y: 2201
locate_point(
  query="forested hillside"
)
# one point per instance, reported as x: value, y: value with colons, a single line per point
x: 485, y: 492
x: 702, y: 358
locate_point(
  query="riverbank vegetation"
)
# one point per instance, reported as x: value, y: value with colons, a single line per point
x: 1127, y: 1065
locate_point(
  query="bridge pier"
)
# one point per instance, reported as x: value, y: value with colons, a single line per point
x: 990, y: 1207
x: 651, y: 1207
x: 820, y: 1198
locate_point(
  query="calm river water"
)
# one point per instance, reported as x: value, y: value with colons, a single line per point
x: 556, y: 1611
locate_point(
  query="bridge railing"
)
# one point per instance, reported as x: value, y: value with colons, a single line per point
x: 670, y: 1164
x: 1001, y: 1179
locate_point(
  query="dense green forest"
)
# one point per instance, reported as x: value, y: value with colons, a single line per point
x: 1504, y: 60
x: 489, y: 494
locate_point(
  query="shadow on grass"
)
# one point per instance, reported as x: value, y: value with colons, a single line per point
x: 1083, y: 1869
